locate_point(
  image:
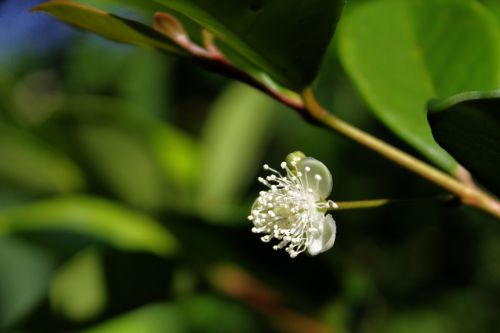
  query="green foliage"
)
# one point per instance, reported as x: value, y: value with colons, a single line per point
x: 78, y: 290
x: 230, y: 152
x: 493, y: 5
x: 26, y: 272
x: 129, y: 172
x: 286, y: 50
x: 209, y: 313
x: 108, y: 25
x: 401, y: 54
x: 468, y: 126
x: 95, y: 217
x: 22, y: 153
x: 126, y: 177
x: 156, y: 318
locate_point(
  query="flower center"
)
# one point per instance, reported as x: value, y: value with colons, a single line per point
x: 286, y: 211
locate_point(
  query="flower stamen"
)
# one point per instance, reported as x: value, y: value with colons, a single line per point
x: 292, y: 210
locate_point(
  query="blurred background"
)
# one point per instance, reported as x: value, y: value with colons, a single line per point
x: 126, y: 178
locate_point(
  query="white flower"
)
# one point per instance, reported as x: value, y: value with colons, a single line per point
x: 293, y: 208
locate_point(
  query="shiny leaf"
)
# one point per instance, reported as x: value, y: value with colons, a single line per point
x: 401, y: 54
x: 284, y: 38
x: 108, y: 25
x: 468, y: 126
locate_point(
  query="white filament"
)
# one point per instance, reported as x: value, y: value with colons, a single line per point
x: 292, y: 211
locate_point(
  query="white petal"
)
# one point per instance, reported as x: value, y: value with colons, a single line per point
x: 323, y: 239
x: 321, y: 187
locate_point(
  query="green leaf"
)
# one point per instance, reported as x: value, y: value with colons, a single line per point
x: 147, y: 164
x: 108, y: 25
x: 211, y: 313
x: 78, y: 290
x: 24, y: 279
x: 232, y: 143
x: 178, y: 156
x: 284, y: 38
x: 156, y: 318
x: 120, y: 226
x: 492, y: 5
x: 401, y: 54
x: 124, y: 164
x: 420, y: 321
x: 136, y: 7
x: 468, y: 126
x: 27, y: 162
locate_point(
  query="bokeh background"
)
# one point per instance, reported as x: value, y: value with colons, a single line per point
x: 126, y: 178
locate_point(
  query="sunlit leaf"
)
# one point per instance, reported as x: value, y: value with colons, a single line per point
x: 78, y: 289
x: 108, y: 25
x: 233, y: 138
x: 120, y: 226
x: 401, y: 54
x: 139, y: 7
x: 178, y: 156
x: 492, y: 5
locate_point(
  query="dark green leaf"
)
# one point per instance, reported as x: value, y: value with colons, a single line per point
x: 401, y: 54
x: 27, y: 162
x: 468, y: 126
x: 210, y: 313
x: 156, y: 318
x: 108, y: 25
x: 24, y: 279
x: 284, y: 38
x: 420, y: 321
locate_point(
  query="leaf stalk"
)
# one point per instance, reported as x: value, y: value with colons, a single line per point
x: 468, y: 195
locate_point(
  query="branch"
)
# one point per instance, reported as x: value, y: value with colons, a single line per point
x: 306, y: 105
x: 375, y: 203
x: 469, y: 195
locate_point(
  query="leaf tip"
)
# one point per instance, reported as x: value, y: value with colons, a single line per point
x: 45, y: 5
